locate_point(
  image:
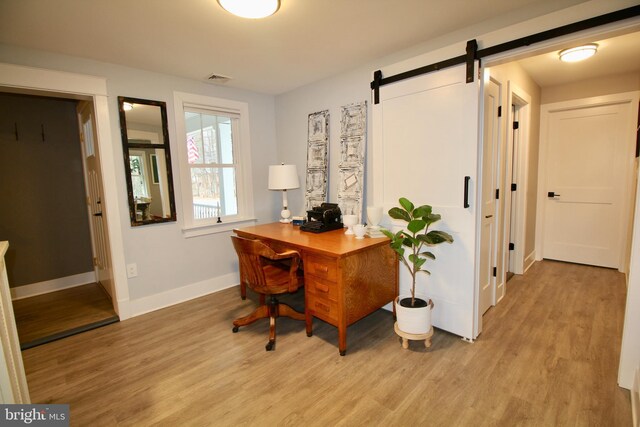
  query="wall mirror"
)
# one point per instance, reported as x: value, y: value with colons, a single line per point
x: 147, y: 160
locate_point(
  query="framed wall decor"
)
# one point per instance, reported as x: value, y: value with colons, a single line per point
x: 353, y: 143
x: 317, y: 159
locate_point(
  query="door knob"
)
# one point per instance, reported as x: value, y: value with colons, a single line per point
x: 552, y: 194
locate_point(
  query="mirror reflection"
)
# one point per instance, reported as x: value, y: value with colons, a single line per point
x: 147, y: 160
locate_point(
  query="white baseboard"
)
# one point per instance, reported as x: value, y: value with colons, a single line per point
x: 635, y: 399
x: 529, y: 260
x: 47, y: 286
x: 144, y: 305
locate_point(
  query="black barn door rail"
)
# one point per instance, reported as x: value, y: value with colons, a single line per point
x: 473, y: 53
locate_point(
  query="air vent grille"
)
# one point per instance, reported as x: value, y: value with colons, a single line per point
x: 218, y: 78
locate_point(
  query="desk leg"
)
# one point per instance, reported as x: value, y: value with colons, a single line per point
x: 342, y: 339
x: 309, y: 322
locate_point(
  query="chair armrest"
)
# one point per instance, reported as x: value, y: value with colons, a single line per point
x: 286, y: 254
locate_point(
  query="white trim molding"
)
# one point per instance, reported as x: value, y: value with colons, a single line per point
x: 182, y: 294
x: 53, y: 285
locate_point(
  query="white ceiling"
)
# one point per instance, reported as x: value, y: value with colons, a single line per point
x: 616, y: 55
x: 306, y: 41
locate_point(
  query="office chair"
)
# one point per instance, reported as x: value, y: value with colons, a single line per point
x: 267, y: 273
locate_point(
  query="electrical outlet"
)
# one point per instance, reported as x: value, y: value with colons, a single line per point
x: 132, y: 270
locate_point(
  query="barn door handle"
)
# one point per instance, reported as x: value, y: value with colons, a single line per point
x: 552, y: 194
x: 466, y: 191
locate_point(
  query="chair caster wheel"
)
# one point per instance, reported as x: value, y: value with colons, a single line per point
x: 235, y: 329
x: 270, y: 345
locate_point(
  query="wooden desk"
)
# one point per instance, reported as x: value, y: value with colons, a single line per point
x: 345, y: 279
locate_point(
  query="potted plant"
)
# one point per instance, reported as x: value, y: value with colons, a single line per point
x: 414, y: 312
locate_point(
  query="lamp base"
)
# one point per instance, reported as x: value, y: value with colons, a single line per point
x: 285, y: 215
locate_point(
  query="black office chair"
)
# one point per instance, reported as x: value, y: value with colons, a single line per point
x: 267, y: 273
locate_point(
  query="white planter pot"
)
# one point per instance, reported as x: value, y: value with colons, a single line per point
x: 414, y: 320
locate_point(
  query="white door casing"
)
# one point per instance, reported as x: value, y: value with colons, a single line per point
x: 489, y: 184
x: 586, y: 161
x: 425, y: 142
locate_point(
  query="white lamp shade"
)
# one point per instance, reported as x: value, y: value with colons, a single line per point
x: 283, y: 177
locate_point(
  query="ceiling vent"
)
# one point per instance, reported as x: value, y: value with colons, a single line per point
x: 218, y: 78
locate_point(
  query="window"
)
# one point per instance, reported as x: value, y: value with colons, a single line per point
x: 138, y: 175
x: 213, y: 138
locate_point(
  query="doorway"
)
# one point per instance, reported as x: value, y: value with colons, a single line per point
x: 53, y: 239
x: 524, y: 208
x: 586, y: 165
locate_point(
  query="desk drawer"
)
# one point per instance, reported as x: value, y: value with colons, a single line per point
x: 323, y: 267
x: 323, y: 308
x: 321, y: 288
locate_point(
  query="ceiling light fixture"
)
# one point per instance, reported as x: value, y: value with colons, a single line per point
x: 252, y: 9
x: 579, y: 53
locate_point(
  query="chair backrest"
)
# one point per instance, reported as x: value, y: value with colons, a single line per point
x: 258, y: 270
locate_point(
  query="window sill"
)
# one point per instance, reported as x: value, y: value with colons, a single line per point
x: 202, y: 230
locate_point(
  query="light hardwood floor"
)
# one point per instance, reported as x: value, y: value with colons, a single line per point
x: 548, y: 356
x: 54, y: 313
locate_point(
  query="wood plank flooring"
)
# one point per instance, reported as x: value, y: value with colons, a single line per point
x: 53, y: 313
x: 548, y: 356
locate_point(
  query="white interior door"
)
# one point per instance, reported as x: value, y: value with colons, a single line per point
x: 488, y: 225
x: 425, y: 140
x: 587, y: 160
x: 95, y: 197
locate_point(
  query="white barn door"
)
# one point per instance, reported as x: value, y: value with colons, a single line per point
x: 425, y: 143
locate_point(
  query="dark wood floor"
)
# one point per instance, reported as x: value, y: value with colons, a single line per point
x: 54, y: 313
x: 548, y: 356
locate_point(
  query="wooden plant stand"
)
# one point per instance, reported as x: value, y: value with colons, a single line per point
x: 414, y: 337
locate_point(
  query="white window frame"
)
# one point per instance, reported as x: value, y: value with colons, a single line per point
x: 242, y: 157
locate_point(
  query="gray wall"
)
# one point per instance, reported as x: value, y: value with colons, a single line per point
x: 42, y: 209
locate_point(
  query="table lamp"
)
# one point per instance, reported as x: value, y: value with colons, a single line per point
x: 283, y: 177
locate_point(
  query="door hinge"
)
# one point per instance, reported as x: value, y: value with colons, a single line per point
x: 514, y: 187
x: 500, y: 111
x: 516, y: 125
x: 495, y: 271
x: 497, y: 193
x: 512, y: 246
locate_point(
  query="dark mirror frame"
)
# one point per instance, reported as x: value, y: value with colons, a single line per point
x: 126, y: 145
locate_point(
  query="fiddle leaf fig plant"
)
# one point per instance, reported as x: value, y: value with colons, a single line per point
x: 411, y: 243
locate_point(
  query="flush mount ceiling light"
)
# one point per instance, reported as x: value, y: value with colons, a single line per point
x: 579, y: 53
x: 253, y: 9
